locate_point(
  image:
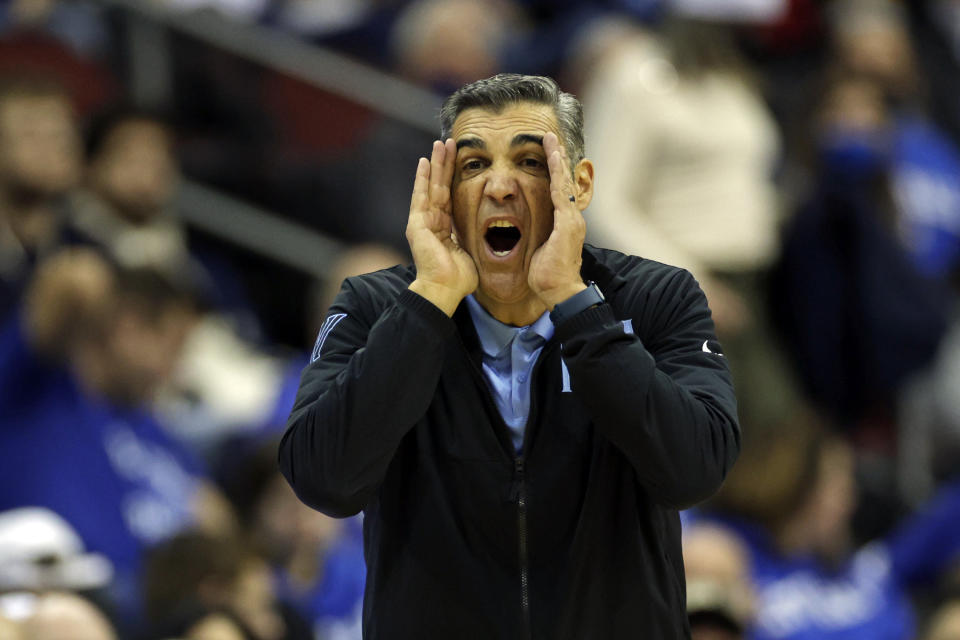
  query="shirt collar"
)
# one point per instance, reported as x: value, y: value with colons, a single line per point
x: 495, y: 336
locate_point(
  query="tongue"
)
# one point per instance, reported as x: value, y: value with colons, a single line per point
x: 502, y: 239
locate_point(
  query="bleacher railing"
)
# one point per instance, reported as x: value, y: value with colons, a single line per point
x: 147, y: 24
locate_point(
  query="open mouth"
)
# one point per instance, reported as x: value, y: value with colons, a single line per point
x: 502, y: 237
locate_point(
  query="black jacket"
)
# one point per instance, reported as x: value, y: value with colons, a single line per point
x: 579, y: 538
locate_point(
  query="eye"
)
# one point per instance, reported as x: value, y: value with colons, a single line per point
x: 473, y: 165
x: 531, y: 162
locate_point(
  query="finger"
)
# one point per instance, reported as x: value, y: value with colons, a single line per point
x: 551, y: 143
x: 439, y: 190
x: 420, y: 183
x: 561, y: 182
x: 450, y: 161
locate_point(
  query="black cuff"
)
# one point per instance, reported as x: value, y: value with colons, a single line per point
x: 425, y: 309
x: 589, y: 318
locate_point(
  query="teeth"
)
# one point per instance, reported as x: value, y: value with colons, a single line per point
x: 501, y: 223
x: 500, y: 254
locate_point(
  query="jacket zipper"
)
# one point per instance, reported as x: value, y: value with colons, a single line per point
x: 522, y: 530
x: 518, y: 491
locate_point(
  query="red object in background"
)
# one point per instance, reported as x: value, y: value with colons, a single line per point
x: 800, y: 28
x: 32, y: 53
x: 311, y: 119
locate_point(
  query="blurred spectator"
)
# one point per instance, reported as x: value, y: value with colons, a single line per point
x: 195, y: 579
x: 439, y: 45
x: 131, y: 180
x: 872, y: 39
x: 356, y: 260
x: 224, y: 382
x: 790, y: 500
x: 40, y: 161
x: 443, y: 44
x: 128, y: 208
x: 687, y: 188
x: 719, y: 594
x: 858, y: 312
x: 687, y: 149
x: 65, y: 40
x: 93, y: 345
x: 317, y: 561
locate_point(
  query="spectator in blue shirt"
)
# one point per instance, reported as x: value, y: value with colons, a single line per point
x: 76, y: 375
x: 811, y: 581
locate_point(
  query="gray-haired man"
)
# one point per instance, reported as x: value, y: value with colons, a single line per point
x: 519, y: 415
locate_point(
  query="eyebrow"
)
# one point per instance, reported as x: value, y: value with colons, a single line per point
x: 471, y: 143
x: 518, y: 140
x: 525, y: 138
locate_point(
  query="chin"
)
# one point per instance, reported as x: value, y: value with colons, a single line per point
x: 505, y: 288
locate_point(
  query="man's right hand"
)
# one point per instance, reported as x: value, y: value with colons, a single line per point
x: 446, y: 274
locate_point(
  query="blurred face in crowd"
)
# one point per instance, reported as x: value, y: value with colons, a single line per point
x: 289, y: 530
x: 140, y: 352
x: 135, y: 170
x: 854, y: 105
x: 717, y: 568
x: 39, y: 145
x: 445, y: 45
x: 501, y: 194
x: 945, y: 622
x: 879, y: 46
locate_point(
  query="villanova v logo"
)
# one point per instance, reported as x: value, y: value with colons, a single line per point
x: 325, y: 330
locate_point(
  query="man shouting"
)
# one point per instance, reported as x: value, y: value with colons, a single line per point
x: 519, y: 415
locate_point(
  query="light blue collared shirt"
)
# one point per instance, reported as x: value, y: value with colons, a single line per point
x: 509, y: 354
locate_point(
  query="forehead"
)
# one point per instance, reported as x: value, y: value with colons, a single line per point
x: 35, y: 107
x: 136, y: 132
x: 520, y: 117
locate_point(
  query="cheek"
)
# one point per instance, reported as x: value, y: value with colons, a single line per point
x: 543, y: 224
x: 463, y: 213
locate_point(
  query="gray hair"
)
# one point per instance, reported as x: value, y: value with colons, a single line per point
x: 505, y: 89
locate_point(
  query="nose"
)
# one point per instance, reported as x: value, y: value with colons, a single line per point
x: 501, y: 184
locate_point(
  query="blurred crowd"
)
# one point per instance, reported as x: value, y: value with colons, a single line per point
x: 800, y: 158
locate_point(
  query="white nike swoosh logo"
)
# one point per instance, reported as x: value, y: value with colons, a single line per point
x: 706, y: 349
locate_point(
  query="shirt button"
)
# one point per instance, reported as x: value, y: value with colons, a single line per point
x: 522, y: 378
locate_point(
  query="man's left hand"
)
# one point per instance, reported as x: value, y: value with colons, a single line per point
x: 555, y: 267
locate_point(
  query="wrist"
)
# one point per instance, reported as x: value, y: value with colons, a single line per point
x: 588, y: 296
x: 444, y: 298
x: 555, y: 296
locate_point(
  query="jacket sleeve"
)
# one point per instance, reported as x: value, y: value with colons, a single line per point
x: 667, y: 405
x: 369, y: 382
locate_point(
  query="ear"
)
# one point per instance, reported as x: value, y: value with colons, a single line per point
x: 583, y: 178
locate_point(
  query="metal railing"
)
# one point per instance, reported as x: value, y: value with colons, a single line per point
x: 257, y: 229
x: 323, y: 68
x: 147, y: 25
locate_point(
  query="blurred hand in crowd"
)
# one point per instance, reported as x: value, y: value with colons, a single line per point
x: 719, y: 594
x: 60, y: 615
x: 945, y: 622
